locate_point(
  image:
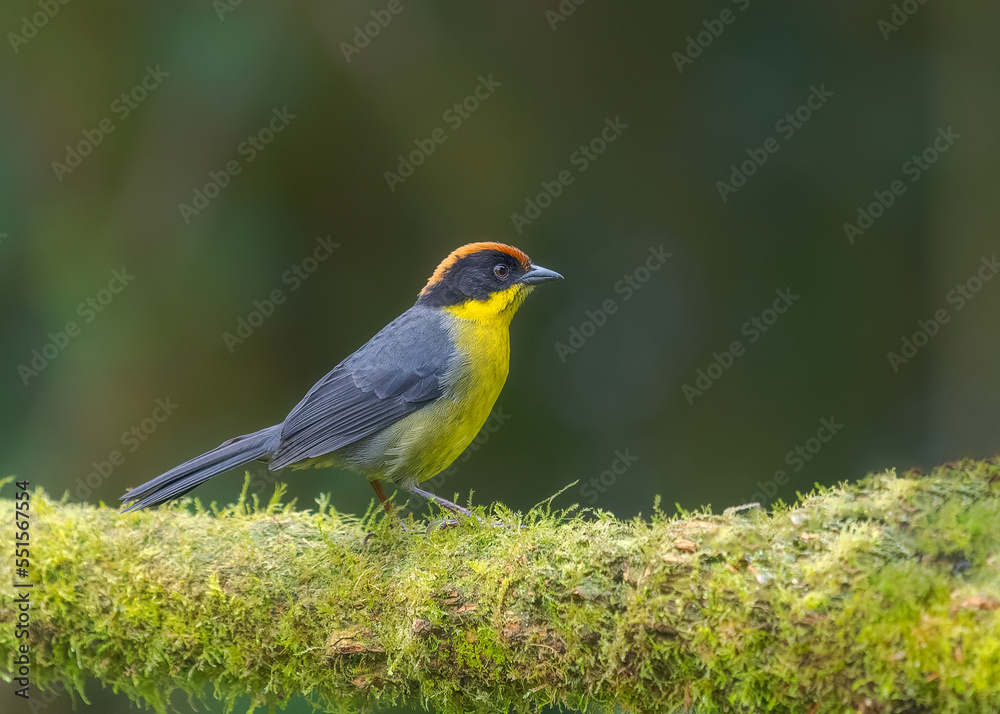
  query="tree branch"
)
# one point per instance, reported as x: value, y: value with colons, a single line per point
x: 878, y: 596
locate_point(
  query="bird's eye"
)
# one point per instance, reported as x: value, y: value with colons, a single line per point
x: 500, y: 271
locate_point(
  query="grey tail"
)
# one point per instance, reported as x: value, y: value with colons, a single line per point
x: 181, y: 479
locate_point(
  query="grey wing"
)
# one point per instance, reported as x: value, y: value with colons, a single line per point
x: 397, y: 372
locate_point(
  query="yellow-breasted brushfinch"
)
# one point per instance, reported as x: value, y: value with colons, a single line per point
x: 408, y: 402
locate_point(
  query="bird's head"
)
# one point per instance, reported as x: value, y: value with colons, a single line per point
x: 483, y: 281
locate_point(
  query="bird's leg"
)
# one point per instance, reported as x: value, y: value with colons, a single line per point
x: 447, y: 505
x: 386, y: 505
x: 443, y: 502
x: 381, y: 496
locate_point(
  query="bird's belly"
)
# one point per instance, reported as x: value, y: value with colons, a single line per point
x: 423, y: 444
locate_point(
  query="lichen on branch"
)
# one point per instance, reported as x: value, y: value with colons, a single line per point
x: 877, y: 596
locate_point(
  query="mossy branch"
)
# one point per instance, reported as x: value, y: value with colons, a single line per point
x: 878, y: 596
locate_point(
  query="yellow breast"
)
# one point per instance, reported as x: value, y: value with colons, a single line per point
x: 426, y: 442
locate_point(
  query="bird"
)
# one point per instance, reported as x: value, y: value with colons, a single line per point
x: 408, y: 402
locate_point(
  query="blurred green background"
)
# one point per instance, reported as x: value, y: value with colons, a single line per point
x: 697, y: 89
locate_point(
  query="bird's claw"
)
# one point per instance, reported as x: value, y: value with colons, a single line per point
x: 452, y: 522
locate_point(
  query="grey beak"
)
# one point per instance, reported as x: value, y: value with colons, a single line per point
x: 538, y: 275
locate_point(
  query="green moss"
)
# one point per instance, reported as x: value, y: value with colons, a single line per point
x: 881, y: 596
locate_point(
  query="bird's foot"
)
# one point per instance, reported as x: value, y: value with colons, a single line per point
x: 452, y: 522
x: 454, y: 508
x: 448, y: 506
x: 443, y: 502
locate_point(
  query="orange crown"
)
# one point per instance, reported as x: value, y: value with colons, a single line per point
x: 469, y: 249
